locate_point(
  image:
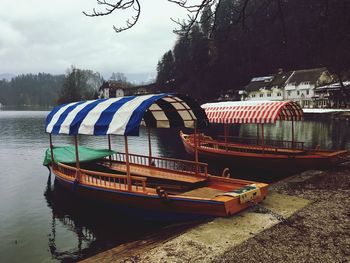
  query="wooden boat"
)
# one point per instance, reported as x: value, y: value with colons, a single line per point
x: 153, y: 187
x: 255, y: 153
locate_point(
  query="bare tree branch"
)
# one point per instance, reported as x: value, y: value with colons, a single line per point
x: 195, y: 8
x: 186, y: 26
x: 194, y: 11
x: 109, y: 8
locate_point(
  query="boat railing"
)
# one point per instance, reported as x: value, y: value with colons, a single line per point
x: 183, y: 166
x: 267, y: 142
x: 244, y: 147
x: 100, y: 179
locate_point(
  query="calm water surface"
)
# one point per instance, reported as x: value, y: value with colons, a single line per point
x: 41, y: 223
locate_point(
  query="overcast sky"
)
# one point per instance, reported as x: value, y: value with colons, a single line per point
x: 51, y: 35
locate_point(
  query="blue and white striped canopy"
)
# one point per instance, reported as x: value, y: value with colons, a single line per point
x: 124, y: 115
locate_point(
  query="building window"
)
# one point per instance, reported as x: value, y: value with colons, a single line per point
x: 289, y: 93
x: 298, y: 92
x: 261, y: 95
x: 253, y: 95
x: 279, y: 94
x: 307, y: 92
x: 268, y: 94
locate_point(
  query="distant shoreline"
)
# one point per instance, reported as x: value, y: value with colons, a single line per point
x: 317, y: 110
x: 327, y: 114
x: 26, y: 108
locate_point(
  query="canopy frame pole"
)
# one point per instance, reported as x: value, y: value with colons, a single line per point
x: 262, y: 137
x: 128, y: 176
x: 293, y: 134
x: 195, y: 147
x: 225, y: 135
x: 51, y: 150
x: 149, y: 147
x: 199, y: 139
x: 77, y: 175
x: 109, y: 146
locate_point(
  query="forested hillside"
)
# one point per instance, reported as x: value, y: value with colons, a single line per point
x: 31, y: 89
x: 45, y: 90
x: 254, y: 38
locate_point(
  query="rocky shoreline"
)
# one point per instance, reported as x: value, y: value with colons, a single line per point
x: 319, y: 232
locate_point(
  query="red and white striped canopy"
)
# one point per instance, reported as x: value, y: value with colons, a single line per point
x: 252, y: 111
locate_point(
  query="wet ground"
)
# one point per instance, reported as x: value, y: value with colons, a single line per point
x: 318, y: 233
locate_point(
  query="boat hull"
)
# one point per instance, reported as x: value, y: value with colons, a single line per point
x: 153, y: 207
x: 269, y: 162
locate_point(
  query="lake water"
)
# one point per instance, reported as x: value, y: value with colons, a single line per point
x: 41, y: 223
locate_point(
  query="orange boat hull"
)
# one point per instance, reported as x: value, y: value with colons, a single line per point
x: 266, y: 161
x: 153, y: 207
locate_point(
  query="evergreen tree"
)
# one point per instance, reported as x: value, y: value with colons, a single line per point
x: 31, y: 89
x: 207, y: 21
x: 256, y: 37
x: 165, y: 71
x: 199, y: 48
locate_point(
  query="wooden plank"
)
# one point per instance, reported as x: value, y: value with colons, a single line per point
x: 206, y: 192
x: 114, y: 186
x: 154, y: 172
x: 238, y: 147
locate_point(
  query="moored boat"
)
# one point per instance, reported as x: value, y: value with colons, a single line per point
x: 258, y: 153
x: 153, y: 187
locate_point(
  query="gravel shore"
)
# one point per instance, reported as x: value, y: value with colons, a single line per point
x: 318, y: 233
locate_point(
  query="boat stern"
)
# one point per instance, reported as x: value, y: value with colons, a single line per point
x: 340, y: 157
x: 242, y: 198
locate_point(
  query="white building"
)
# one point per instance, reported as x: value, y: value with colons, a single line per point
x: 301, y: 85
x: 297, y: 85
x: 113, y: 89
x: 333, y: 95
x: 266, y: 88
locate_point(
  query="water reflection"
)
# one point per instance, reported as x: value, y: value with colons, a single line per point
x: 326, y: 134
x: 92, y: 228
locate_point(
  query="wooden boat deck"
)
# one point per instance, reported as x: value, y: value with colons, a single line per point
x: 204, y: 192
x: 154, y: 172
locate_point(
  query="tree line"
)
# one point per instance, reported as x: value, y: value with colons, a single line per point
x: 47, y: 90
x: 289, y: 34
x: 31, y: 89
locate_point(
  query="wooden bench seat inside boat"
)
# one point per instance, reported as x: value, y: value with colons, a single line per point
x: 119, y: 186
x: 154, y: 172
